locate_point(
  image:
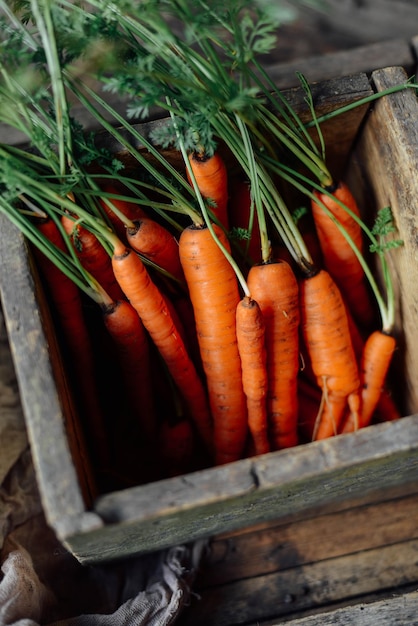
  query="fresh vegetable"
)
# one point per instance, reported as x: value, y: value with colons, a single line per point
x: 214, y: 293
x: 376, y: 358
x: 327, y: 337
x: 120, y: 212
x: 274, y: 286
x: 93, y: 256
x: 211, y: 177
x: 66, y: 300
x: 222, y: 314
x: 252, y: 351
x: 156, y: 243
x: 154, y: 312
x: 339, y: 256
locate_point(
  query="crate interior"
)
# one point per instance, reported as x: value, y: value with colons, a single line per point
x: 139, y: 506
x: 130, y: 462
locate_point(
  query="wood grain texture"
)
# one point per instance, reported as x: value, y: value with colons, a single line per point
x: 373, y: 20
x: 395, y: 610
x: 281, y: 546
x: 341, y: 63
x: 51, y: 423
x: 386, y: 162
x: 315, y: 584
x: 273, y: 486
x: 257, y: 577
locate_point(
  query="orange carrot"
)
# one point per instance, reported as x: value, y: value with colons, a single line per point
x: 252, y: 350
x: 93, y: 256
x: 67, y: 302
x: 156, y: 243
x: 212, y: 181
x: 131, y: 210
x: 339, y: 259
x: 377, y: 356
x: 214, y: 293
x: 131, y: 344
x: 274, y: 286
x: 327, y: 338
x: 159, y: 245
x: 154, y: 312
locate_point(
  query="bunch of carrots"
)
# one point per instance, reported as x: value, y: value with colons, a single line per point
x: 231, y: 330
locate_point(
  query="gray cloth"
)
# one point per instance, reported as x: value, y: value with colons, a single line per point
x: 25, y: 600
x: 41, y: 583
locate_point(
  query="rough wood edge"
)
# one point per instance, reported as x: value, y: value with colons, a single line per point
x: 188, y: 508
x: 397, y: 610
x: 32, y: 349
x: 365, y: 59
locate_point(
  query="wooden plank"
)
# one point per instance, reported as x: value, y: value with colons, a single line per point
x: 284, y: 546
x: 368, y: 20
x: 339, y: 132
x: 43, y: 391
x: 387, y: 158
x: 395, y: 610
x: 312, y: 585
x: 345, y: 62
x: 247, y: 492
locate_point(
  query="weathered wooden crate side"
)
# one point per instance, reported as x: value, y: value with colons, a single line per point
x: 384, y: 170
x: 215, y: 500
x: 55, y: 435
x: 239, y: 495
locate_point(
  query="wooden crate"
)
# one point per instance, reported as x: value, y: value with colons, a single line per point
x: 104, y: 526
x: 350, y: 566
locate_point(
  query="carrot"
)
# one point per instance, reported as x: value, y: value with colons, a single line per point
x: 156, y: 243
x: 376, y: 358
x: 212, y: 181
x: 154, y: 312
x: 338, y: 256
x: 214, y: 294
x: 93, y: 256
x: 159, y: 245
x: 327, y: 337
x: 252, y: 350
x: 274, y: 286
x: 131, y: 210
x: 67, y: 302
x: 131, y: 344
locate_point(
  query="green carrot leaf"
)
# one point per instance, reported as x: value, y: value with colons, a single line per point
x: 383, y: 227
